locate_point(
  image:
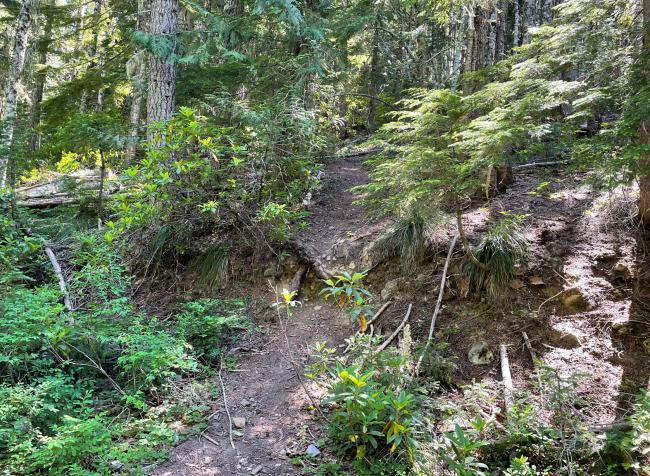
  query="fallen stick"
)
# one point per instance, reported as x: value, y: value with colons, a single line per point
x: 540, y: 164
x: 210, y: 439
x: 441, y: 293
x: 533, y: 357
x: 397, y: 331
x: 369, y: 324
x: 507, y: 378
x: 225, y: 405
x: 529, y: 347
x: 59, y: 274
x: 550, y: 299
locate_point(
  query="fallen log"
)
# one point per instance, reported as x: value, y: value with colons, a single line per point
x: 316, y: 264
x: 57, y: 270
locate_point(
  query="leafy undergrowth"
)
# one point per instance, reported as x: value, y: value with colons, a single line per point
x: 105, y: 388
x: 385, y: 421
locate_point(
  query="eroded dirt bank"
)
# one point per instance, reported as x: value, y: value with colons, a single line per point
x: 580, y: 297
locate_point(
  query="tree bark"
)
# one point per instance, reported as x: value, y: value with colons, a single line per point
x: 644, y: 127
x: 373, y: 78
x: 502, y: 21
x: 531, y: 18
x: 21, y: 34
x: 92, y: 52
x: 138, y: 88
x: 42, y: 49
x: 161, y: 97
x: 516, y: 29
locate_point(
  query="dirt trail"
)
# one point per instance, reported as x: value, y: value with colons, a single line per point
x: 575, y: 243
x: 265, y: 390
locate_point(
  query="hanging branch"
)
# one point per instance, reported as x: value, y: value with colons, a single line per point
x: 441, y: 293
x: 57, y: 270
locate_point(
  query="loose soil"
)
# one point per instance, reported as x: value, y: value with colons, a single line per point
x: 581, y: 245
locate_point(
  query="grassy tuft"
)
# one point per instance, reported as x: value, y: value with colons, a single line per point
x: 500, y: 249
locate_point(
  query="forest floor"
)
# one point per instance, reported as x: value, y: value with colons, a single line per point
x: 581, y: 297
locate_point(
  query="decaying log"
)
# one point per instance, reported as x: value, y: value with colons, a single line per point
x: 57, y: 270
x: 397, y: 331
x: 508, y: 389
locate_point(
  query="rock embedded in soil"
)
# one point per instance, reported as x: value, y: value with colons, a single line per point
x: 564, y: 340
x: 390, y: 289
x: 575, y: 300
x: 480, y: 354
x: 257, y: 469
x: 239, y: 422
x: 313, y: 451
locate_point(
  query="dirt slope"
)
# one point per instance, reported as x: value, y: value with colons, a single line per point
x: 579, y: 246
x: 265, y: 390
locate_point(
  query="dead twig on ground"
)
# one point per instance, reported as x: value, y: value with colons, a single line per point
x: 397, y: 331
x: 225, y: 405
x: 369, y: 324
x: 533, y: 357
x: 441, y: 293
x: 506, y: 376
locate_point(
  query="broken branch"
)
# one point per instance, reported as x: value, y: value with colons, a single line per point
x: 508, y: 389
x: 397, y: 331
x: 57, y: 270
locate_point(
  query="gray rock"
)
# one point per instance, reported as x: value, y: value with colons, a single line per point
x: 480, y: 354
x: 116, y: 465
x: 313, y: 451
x: 239, y: 422
x: 390, y: 289
x: 257, y: 469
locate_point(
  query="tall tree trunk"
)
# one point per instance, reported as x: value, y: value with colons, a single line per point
x: 373, y: 78
x: 42, y: 50
x: 92, y: 52
x: 502, y: 22
x: 644, y: 127
x: 531, y: 18
x: 516, y: 28
x: 15, y: 71
x: 162, y: 69
x: 138, y: 88
x: 492, y: 36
